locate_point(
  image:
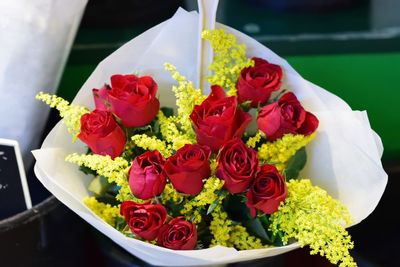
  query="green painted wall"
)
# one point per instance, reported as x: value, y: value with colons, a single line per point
x: 365, y: 81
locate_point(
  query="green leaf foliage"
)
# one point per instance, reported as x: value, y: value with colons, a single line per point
x: 236, y: 208
x: 256, y: 228
x: 99, y: 185
x: 296, y: 164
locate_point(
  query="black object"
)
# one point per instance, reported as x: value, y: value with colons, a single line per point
x: 48, y: 235
x: 11, y: 190
x: 23, y: 236
x: 125, y: 13
x: 305, y: 5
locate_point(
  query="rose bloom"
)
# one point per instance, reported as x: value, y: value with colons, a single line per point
x: 188, y: 167
x: 133, y: 99
x: 218, y: 120
x: 285, y: 116
x: 237, y: 165
x: 256, y: 83
x: 144, y: 220
x: 101, y: 98
x: 267, y: 190
x: 146, y: 176
x: 102, y: 134
x: 178, y: 234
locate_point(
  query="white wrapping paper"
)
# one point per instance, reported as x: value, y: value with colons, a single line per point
x: 35, y: 40
x: 344, y: 158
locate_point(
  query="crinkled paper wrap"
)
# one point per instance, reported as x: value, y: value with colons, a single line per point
x: 344, y: 158
x: 35, y: 40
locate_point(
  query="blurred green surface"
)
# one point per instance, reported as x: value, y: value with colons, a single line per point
x: 278, y: 22
x: 365, y: 81
x: 353, y: 51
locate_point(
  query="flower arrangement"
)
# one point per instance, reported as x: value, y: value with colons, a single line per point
x: 199, y: 176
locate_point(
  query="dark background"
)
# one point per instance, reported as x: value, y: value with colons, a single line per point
x: 350, y: 47
x: 10, y: 183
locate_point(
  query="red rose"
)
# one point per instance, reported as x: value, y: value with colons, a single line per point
x: 102, y: 134
x: 101, y: 98
x: 237, y: 165
x: 133, y: 99
x: 286, y: 116
x: 188, y: 167
x: 146, y: 176
x: 256, y: 83
x: 144, y: 220
x: 218, y: 120
x: 267, y: 190
x: 178, y: 234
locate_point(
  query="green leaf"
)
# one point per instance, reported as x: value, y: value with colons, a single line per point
x: 212, y: 206
x: 174, y: 209
x: 264, y: 219
x: 120, y: 224
x: 296, y: 164
x: 277, y: 239
x: 256, y: 228
x: 108, y: 199
x: 113, y: 189
x: 147, y: 129
x: 87, y: 170
x: 236, y: 208
x: 99, y: 185
x: 245, y: 106
x: 168, y: 112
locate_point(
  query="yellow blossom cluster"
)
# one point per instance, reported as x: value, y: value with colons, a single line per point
x: 152, y: 143
x: 193, y: 208
x: 241, y: 239
x: 252, y: 141
x: 229, y: 59
x: 220, y: 227
x: 314, y: 218
x: 114, y: 170
x: 169, y: 130
x: 171, y: 195
x: 226, y: 233
x: 129, y: 150
x: 70, y: 113
x: 213, y: 165
x: 105, y: 211
x: 186, y: 98
x: 280, y: 151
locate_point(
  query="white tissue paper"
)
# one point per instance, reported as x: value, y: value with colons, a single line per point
x: 344, y: 158
x: 35, y: 40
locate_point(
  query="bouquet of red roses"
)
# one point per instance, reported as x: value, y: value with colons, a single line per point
x: 221, y: 170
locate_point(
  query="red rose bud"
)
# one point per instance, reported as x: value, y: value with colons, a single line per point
x: 102, y: 134
x: 188, y: 167
x: 237, y: 166
x: 218, y: 120
x: 286, y: 116
x: 267, y: 190
x: 256, y: 83
x: 144, y: 220
x: 133, y: 99
x: 101, y: 98
x: 146, y: 176
x: 178, y: 234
